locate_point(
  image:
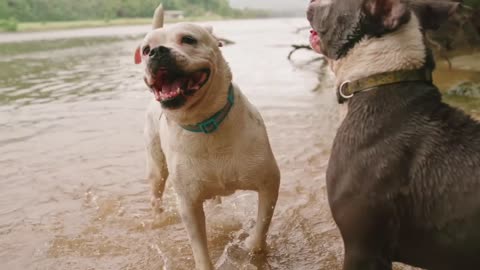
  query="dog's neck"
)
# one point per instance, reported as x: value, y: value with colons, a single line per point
x: 403, y: 49
x: 212, y: 101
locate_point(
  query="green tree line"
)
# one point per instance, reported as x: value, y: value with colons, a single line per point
x: 472, y: 3
x: 67, y: 10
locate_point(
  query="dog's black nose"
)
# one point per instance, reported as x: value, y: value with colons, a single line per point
x: 159, y: 51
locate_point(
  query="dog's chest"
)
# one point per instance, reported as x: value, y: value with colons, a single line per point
x: 212, y: 165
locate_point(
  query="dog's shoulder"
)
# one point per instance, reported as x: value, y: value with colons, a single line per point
x: 152, y: 119
x: 407, y: 126
x: 252, y: 112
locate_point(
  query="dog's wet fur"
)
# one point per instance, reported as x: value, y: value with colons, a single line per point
x: 191, y: 81
x: 404, y: 174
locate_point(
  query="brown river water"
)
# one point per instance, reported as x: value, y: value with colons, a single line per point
x: 73, y: 192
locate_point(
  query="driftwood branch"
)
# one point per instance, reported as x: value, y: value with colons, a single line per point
x: 320, y: 58
x: 296, y: 48
x: 441, y: 51
x: 300, y: 29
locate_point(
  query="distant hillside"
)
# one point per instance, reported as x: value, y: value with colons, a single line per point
x: 68, y: 10
x: 295, y: 6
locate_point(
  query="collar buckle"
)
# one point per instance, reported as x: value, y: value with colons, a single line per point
x: 209, y: 126
x: 349, y: 88
x: 342, y: 88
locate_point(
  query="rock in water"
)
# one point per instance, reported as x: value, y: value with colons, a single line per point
x: 466, y: 89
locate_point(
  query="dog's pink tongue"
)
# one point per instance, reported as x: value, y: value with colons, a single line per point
x: 172, y: 87
x: 315, y: 41
x: 165, y: 88
x: 197, y: 80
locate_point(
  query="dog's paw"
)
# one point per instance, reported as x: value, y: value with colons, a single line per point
x: 156, y: 205
x: 254, y: 245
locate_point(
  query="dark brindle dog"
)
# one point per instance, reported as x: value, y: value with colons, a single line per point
x: 404, y: 174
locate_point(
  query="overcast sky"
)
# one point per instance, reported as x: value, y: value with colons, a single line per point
x: 271, y: 4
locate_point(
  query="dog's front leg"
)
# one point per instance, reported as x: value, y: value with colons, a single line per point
x: 357, y: 259
x: 365, y: 230
x: 267, y: 199
x: 193, y: 218
x: 157, y: 171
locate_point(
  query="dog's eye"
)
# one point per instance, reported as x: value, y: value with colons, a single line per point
x: 146, y: 50
x: 189, y: 40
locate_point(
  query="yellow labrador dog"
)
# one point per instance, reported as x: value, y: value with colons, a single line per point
x: 202, y: 133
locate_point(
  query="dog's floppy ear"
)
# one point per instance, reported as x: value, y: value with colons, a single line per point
x: 386, y: 14
x: 138, y: 56
x: 210, y: 30
x: 432, y: 13
x: 158, y: 17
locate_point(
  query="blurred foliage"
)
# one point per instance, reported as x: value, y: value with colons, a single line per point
x: 68, y: 10
x: 472, y: 3
x: 10, y: 25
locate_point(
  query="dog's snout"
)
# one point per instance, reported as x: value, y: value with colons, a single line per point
x: 159, y: 51
x: 312, y: 7
x: 310, y: 12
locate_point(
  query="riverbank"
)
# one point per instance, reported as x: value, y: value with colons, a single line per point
x: 66, y: 25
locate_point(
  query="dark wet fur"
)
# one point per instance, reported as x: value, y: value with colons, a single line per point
x: 339, y: 26
x: 177, y: 102
x: 404, y: 181
x: 343, y: 24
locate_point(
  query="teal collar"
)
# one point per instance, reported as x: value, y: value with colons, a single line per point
x: 213, y: 123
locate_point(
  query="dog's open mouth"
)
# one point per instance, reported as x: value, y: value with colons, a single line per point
x: 315, y: 41
x: 169, y: 85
